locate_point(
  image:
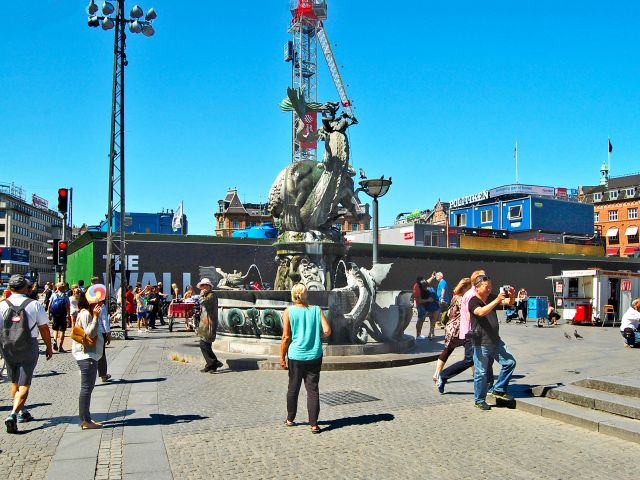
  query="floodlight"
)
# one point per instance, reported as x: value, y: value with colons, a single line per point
x: 93, y: 21
x: 147, y: 30
x: 107, y: 24
x: 107, y: 8
x: 151, y: 15
x: 92, y: 8
x: 136, y: 12
x: 135, y: 27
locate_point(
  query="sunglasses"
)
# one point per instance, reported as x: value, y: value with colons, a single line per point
x: 480, y: 279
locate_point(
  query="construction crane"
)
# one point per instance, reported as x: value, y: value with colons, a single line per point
x: 307, y: 31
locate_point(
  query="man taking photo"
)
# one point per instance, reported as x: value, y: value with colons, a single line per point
x: 487, y: 344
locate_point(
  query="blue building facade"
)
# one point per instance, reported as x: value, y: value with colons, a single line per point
x: 145, y: 223
x: 521, y: 208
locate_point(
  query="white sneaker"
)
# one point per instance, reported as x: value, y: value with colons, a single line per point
x: 421, y: 337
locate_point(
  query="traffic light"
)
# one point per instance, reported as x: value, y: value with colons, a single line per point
x: 62, y: 252
x: 52, y: 251
x: 63, y: 200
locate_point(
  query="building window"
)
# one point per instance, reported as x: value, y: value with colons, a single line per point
x: 220, y: 225
x: 632, y: 213
x: 630, y: 192
x: 431, y: 239
x: 613, y: 195
x: 1, y: 240
x: 354, y: 226
x: 597, y: 197
x: 236, y: 224
x: 486, y: 216
x: 460, y: 220
x: 596, y: 217
x: 613, y: 215
x: 515, y: 212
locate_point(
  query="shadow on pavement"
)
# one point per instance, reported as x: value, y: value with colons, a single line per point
x: 66, y: 419
x: 52, y: 373
x: 154, y: 419
x: 139, y: 380
x: 30, y: 406
x: 359, y: 420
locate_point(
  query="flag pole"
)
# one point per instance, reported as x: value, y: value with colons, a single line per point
x: 609, y: 154
x: 516, y: 156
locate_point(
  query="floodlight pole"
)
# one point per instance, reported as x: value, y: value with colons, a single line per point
x: 116, y: 166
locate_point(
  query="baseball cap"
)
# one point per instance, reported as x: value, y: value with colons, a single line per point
x: 18, y: 281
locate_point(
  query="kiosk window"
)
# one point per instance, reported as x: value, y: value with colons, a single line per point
x: 573, y: 287
x: 515, y: 212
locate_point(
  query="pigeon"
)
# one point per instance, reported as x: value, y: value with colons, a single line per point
x: 566, y: 335
x: 576, y: 334
x: 362, y: 174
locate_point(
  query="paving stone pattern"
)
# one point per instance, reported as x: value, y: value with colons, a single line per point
x: 168, y: 420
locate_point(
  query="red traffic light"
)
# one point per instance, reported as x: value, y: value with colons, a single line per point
x: 62, y: 192
x: 62, y: 245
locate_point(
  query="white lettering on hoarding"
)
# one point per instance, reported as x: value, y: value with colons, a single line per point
x: 476, y: 197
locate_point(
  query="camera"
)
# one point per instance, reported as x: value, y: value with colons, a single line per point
x: 505, y: 289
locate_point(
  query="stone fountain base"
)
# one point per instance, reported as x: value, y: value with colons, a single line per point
x: 271, y: 347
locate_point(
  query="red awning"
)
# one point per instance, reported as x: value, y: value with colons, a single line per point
x: 629, y: 250
x: 613, y: 251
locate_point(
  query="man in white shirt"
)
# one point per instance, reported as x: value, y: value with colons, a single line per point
x: 630, y: 323
x: 21, y: 370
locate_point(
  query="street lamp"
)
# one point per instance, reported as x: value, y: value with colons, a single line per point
x: 109, y: 16
x: 375, y: 188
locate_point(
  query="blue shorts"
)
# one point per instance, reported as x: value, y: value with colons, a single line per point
x: 422, y: 312
x: 142, y: 315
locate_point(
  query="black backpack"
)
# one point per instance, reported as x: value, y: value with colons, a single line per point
x: 15, y: 336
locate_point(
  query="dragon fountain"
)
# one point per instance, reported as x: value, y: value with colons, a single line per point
x: 305, y: 200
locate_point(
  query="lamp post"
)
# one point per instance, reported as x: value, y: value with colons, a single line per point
x: 375, y: 188
x: 109, y: 17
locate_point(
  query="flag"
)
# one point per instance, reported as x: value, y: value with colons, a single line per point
x: 610, y: 146
x: 176, y: 222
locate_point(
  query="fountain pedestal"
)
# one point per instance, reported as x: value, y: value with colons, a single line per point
x: 310, y: 258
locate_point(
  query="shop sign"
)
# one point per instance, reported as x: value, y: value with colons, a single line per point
x: 37, y: 201
x: 476, y: 197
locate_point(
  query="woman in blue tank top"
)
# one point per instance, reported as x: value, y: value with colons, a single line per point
x: 304, y: 326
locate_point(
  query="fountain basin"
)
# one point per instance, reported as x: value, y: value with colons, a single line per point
x: 251, y: 321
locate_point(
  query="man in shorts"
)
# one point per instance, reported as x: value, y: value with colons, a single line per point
x: 21, y: 373
x: 60, y: 313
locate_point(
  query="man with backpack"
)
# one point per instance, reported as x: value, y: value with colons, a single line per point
x: 59, y: 312
x: 19, y: 342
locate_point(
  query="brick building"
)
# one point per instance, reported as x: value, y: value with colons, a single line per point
x: 234, y: 215
x: 616, y: 201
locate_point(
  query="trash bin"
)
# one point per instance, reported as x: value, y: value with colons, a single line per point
x: 537, y: 307
x: 583, y: 313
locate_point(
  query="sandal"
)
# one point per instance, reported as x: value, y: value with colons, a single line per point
x: 289, y: 423
x: 316, y: 429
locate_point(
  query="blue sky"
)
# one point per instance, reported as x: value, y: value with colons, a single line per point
x: 442, y: 90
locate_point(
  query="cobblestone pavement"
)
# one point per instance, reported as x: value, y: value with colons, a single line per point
x: 231, y: 424
x: 53, y: 401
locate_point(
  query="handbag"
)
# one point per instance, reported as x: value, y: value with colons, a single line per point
x: 79, y: 335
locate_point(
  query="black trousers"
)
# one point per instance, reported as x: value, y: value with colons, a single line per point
x: 102, y: 363
x: 207, y: 353
x: 309, y: 371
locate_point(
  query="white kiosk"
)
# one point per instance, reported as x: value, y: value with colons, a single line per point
x: 587, y: 296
